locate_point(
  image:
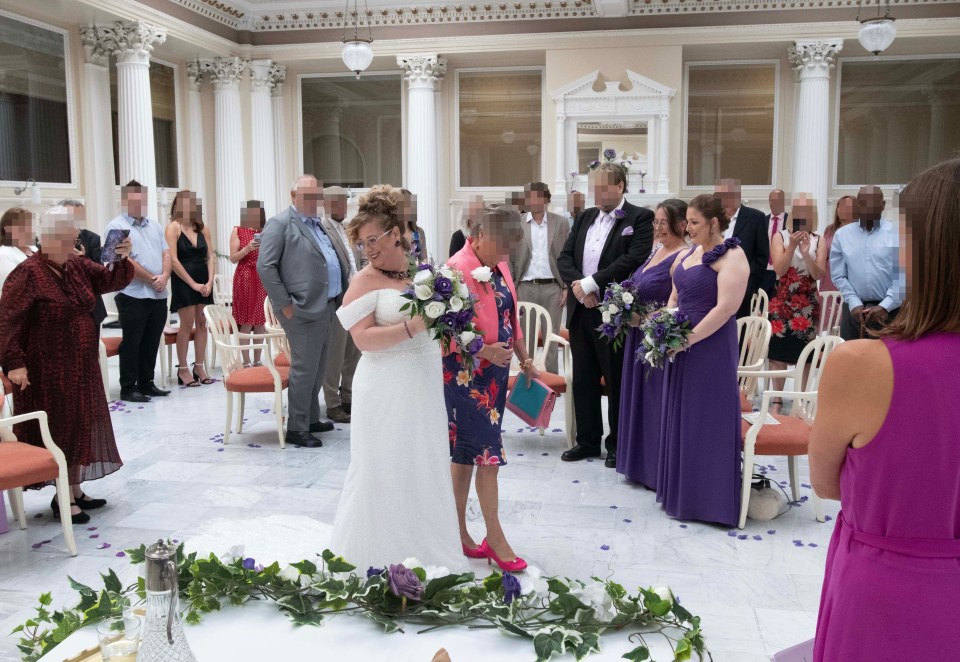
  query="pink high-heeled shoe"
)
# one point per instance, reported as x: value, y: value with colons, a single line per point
x: 516, y: 565
x: 473, y: 553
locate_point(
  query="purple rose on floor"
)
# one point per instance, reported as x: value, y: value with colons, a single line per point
x: 609, y: 153
x: 404, y: 583
x: 442, y: 285
x: 511, y: 587
x: 374, y: 572
x: 475, y: 345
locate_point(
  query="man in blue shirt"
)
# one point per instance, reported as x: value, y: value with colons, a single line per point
x: 305, y: 278
x: 142, y: 305
x: 864, y: 265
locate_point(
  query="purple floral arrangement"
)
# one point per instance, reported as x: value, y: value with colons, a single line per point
x: 665, y: 333
x: 609, y: 156
x: 620, y: 302
x: 441, y: 298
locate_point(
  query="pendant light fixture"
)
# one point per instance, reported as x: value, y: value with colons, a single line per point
x: 357, y: 52
x: 876, y: 34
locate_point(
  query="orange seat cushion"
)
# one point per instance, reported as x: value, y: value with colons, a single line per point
x: 112, y: 344
x: 564, y: 333
x: 555, y: 382
x: 791, y: 437
x: 255, y: 380
x: 7, y: 384
x: 170, y: 337
x: 746, y: 403
x: 281, y: 360
x: 22, y: 464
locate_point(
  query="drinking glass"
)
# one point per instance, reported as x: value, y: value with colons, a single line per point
x: 119, y: 640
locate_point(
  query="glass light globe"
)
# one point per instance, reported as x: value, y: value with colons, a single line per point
x: 876, y: 34
x: 357, y: 55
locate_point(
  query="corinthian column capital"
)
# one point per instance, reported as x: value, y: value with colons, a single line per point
x: 260, y: 80
x: 225, y: 72
x: 194, y: 74
x: 814, y: 58
x: 96, y: 45
x: 278, y: 74
x: 422, y: 70
x: 130, y: 41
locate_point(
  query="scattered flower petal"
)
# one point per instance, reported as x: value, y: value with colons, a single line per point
x: 605, y: 548
x: 105, y: 545
x: 120, y: 555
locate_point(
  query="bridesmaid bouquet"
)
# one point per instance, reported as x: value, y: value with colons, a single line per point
x: 441, y: 298
x: 664, y: 331
x: 617, y: 307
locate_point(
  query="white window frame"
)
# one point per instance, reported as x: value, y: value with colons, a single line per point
x: 71, y: 114
x: 367, y: 74
x: 456, y: 131
x: 775, y: 156
x: 836, y: 112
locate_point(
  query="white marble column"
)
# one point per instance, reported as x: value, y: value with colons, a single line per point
x: 560, y: 158
x: 132, y: 44
x: 225, y: 73
x: 936, y: 127
x: 264, y: 183
x: 278, y: 74
x: 663, y: 153
x: 421, y: 71
x: 198, y: 175
x: 443, y: 166
x: 811, y: 162
x: 99, y: 185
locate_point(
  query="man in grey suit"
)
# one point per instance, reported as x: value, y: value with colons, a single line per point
x: 342, y: 354
x: 534, y: 266
x: 305, y: 280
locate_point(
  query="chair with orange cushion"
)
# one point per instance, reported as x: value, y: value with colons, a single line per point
x: 540, y: 340
x: 267, y: 378
x: 24, y: 464
x: 753, y: 334
x: 792, y: 436
x: 109, y: 346
x: 281, y: 349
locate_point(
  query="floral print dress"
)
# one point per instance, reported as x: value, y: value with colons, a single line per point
x: 475, y: 407
x: 795, y: 308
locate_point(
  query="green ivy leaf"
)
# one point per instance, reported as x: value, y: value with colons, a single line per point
x: 493, y: 582
x: 308, y: 568
x: 557, y: 586
x: 444, y: 583
x: 568, y: 605
x: 111, y: 582
x: 682, y: 651
x: 46, y: 599
x: 547, y: 644
x: 337, y: 564
x: 138, y: 555
x: 638, y: 654
x: 590, y: 644
x: 512, y: 628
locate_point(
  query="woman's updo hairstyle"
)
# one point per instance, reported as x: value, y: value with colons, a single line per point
x: 710, y: 206
x: 676, y: 211
x: 380, y: 205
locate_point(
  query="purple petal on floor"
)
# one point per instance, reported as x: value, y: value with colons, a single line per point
x: 803, y: 499
x: 811, y: 544
x: 95, y: 535
x: 828, y: 518
x: 38, y: 516
x: 36, y: 545
x: 105, y: 545
x: 520, y: 430
x: 683, y: 526
x: 219, y: 450
x: 254, y: 446
x: 770, y: 532
x: 758, y: 538
x: 339, y: 429
x: 576, y: 482
x: 91, y: 528
x: 613, y: 507
x: 519, y: 454
x: 605, y: 548
x: 589, y: 459
x: 742, y: 536
x: 797, y: 543
x: 557, y: 430
x: 544, y: 454
x: 120, y: 555
x: 804, y: 485
x: 630, y: 521
x: 732, y: 534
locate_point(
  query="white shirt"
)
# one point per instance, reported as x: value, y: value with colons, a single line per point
x: 346, y: 242
x: 733, y: 224
x: 593, y: 247
x: 539, y: 249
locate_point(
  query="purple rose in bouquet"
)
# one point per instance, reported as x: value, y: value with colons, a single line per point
x: 620, y: 302
x: 443, y: 286
x: 664, y: 334
x: 404, y: 583
x: 475, y: 345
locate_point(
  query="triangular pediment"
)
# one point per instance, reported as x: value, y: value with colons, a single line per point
x: 639, y: 87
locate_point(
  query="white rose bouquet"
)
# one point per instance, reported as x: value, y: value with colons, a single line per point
x: 440, y: 297
x: 619, y: 302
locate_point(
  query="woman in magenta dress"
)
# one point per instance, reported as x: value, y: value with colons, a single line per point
x: 891, y: 589
x: 700, y: 440
x: 49, y: 348
x: 641, y: 391
x: 248, y: 292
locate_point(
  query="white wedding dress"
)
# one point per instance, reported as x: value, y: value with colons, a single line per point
x: 397, y: 498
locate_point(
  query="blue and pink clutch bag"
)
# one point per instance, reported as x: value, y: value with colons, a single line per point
x: 532, y: 403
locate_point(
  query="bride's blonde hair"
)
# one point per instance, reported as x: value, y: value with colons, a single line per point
x: 380, y: 205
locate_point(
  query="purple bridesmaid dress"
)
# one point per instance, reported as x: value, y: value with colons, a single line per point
x: 891, y: 590
x: 641, y: 391
x: 700, y: 439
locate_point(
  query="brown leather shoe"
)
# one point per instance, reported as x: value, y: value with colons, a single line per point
x: 338, y: 415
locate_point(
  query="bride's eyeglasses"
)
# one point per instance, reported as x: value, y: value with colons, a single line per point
x: 371, y: 242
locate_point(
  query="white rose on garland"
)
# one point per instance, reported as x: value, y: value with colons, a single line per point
x: 423, y: 292
x: 433, y: 310
x: 596, y: 597
x: 482, y: 274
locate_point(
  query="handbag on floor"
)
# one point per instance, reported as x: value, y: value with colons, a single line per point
x: 532, y: 403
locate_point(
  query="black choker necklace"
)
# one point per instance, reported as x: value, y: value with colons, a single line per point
x: 395, y: 275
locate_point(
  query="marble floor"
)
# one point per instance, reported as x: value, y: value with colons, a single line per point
x: 757, y: 590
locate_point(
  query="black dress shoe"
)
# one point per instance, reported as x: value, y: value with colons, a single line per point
x: 303, y: 439
x: 88, y: 503
x: 133, y: 396
x: 579, y: 452
x: 611, y: 461
x: 345, y: 406
x: 321, y: 426
x: 151, y: 389
x: 79, y: 518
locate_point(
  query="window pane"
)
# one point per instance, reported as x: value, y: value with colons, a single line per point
x: 500, y: 128
x: 352, y: 130
x: 164, y: 101
x: 730, y: 123
x: 896, y: 119
x: 34, y: 134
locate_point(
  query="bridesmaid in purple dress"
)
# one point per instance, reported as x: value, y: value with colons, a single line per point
x: 700, y: 440
x: 886, y: 445
x: 641, y: 392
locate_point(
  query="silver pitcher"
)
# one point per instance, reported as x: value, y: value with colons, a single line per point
x: 163, y: 639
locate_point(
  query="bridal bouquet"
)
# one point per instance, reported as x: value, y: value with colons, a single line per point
x: 441, y: 298
x: 664, y: 331
x: 617, y: 307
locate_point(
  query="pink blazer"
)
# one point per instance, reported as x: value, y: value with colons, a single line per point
x: 486, y: 317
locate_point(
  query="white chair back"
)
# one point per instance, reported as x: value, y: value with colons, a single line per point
x: 807, y: 373
x: 221, y: 324
x: 760, y: 304
x: 278, y: 344
x: 753, y: 334
x: 223, y: 290
x: 831, y: 309
x: 537, y: 328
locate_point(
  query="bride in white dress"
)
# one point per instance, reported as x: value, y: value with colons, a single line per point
x: 397, y: 499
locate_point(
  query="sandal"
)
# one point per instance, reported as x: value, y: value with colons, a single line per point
x: 180, y: 381
x: 208, y: 380
x: 79, y: 518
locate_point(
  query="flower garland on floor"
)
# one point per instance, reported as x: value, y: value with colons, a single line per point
x: 559, y: 615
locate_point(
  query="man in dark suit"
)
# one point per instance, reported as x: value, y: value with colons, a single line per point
x: 607, y: 244
x: 305, y: 279
x: 749, y: 225
x: 776, y: 221
x: 89, y: 244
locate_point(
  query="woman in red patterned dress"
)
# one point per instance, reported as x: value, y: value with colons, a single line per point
x: 248, y: 292
x: 49, y: 349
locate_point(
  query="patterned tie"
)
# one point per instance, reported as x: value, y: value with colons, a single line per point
x: 773, y: 233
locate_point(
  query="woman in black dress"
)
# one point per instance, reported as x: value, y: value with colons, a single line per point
x: 194, y: 264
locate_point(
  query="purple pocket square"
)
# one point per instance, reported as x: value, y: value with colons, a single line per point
x: 627, y: 231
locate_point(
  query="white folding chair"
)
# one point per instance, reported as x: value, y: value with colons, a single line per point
x: 754, y: 337
x: 791, y: 438
x: 223, y: 290
x: 760, y: 304
x: 831, y: 309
